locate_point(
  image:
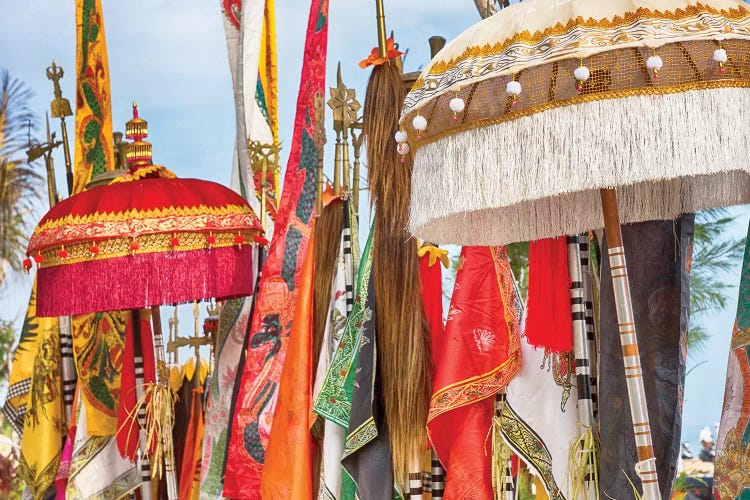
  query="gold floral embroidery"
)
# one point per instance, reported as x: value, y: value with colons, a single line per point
x: 151, y: 243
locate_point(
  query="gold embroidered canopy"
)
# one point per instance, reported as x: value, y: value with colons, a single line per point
x: 517, y: 124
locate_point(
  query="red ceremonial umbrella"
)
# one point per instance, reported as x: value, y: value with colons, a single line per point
x: 145, y: 239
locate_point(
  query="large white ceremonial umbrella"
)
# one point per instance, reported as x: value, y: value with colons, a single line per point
x: 523, y: 127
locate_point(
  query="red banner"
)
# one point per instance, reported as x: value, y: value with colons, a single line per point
x: 279, y: 287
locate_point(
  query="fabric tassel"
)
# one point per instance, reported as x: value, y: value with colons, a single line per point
x: 403, y: 338
x: 548, y: 324
x: 468, y: 206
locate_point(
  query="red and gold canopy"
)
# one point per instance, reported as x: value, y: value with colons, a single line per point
x: 145, y: 239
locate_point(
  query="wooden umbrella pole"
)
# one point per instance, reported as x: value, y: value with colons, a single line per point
x: 162, y: 379
x: 646, y: 466
x: 582, y: 367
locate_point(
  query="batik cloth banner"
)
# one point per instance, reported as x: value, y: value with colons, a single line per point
x: 658, y: 255
x: 478, y: 357
x: 251, y: 43
x: 94, y: 153
x: 732, y: 471
x: 98, y: 347
x: 538, y: 420
x: 335, y: 393
x: 279, y: 285
x: 44, y: 427
x: 233, y: 320
x: 33, y: 331
x: 368, y: 468
x: 97, y: 470
x: 288, y: 469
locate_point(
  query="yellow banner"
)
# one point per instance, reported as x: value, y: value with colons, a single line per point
x: 94, y: 153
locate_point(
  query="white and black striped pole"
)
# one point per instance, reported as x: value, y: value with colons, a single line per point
x: 144, y: 465
x: 437, y: 479
x: 646, y: 465
x: 588, y: 299
x: 582, y: 365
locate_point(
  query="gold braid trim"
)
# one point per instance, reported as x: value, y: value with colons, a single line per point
x: 559, y: 29
x: 150, y: 243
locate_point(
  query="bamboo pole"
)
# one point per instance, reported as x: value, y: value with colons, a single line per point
x: 646, y: 466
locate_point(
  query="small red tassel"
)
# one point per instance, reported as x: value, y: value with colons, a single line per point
x: 63, y: 254
x: 134, y: 246
x: 174, y: 241
x: 260, y: 240
x: 94, y: 250
x: 27, y: 265
x: 38, y: 258
x: 239, y: 239
x: 210, y: 239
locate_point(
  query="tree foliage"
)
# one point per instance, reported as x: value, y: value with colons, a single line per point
x: 713, y: 256
x: 20, y: 184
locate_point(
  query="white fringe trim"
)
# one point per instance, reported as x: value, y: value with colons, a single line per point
x: 539, y: 176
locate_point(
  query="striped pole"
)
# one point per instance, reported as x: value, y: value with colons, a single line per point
x: 68, y: 367
x: 588, y: 298
x: 437, y: 478
x: 646, y: 466
x: 582, y: 365
x: 416, y: 486
x: 162, y: 379
x: 144, y: 466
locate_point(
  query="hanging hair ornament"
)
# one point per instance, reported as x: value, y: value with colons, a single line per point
x: 720, y: 57
x: 654, y: 64
x: 513, y: 88
x: 27, y: 265
x: 420, y: 125
x: 457, y: 105
x: 581, y: 74
x: 401, y: 136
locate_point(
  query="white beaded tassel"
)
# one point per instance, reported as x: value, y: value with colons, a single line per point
x: 457, y: 105
x: 720, y: 57
x: 402, y: 144
x: 420, y: 125
x: 654, y: 64
x: 513, y: 88
x: 582, y: 74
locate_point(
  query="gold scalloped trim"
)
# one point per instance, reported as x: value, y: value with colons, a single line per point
x: 152, y: 243
x: 143, y: 172
x: 158, y: 213
x: 579, y: 22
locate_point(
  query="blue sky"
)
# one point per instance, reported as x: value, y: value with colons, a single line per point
x: 170, y: 57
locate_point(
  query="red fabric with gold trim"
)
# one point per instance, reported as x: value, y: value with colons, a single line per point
x: 145, y: 242
x: 476, y: 357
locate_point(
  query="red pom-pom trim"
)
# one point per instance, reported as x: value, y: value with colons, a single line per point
x: 174, y: 241
x: 210, y: 239
x: 134, y: 246
x: 27, y: 264
x: 239, y: 239
x: 94, y: 250
x: 38, y: 258
x: 63, y: 254
x: 260, y: 240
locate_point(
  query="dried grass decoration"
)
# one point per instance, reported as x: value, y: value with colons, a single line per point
x: 403, y: 336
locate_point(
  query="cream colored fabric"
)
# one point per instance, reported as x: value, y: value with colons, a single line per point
x: 515, y: 38
x: 539, y: 176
